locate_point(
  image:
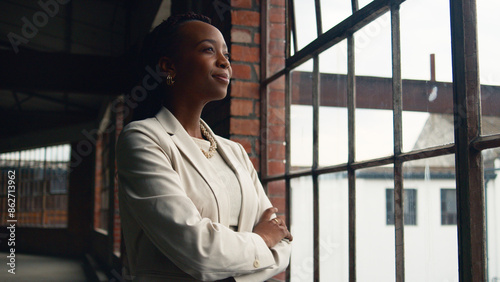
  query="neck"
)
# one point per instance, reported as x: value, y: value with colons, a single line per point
x: 188, y: 115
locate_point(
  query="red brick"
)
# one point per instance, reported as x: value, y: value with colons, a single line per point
x: 276, y: 188
x: 276, y: 64
x: 245, y: 54
x: 248, y: 18
x: 256, y: 38
x: 278, y: 84
x: 276, y: 116
x: 241, y: 35
x: 245, y: 142
x: 240, y: 107
x: 241, y: 71
x: 277, y: 99
x: 241, y: 3
x: 256, y: 67
x: 280, y: 276
x: 280, y: 3
x: 255, y: 162
x: 257, y: 146
x: 276, y: 151
x: 277, y: 47
x: 277, y: 31
x: 245, y: 89
x: 277, y: 15
x: 244, y: 126
x: 278, y: 202
x: 276, y: 133
x: 275, y: 167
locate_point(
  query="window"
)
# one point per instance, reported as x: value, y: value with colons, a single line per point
x: 42, y: 180
x: 410, y: 206
x: 448, y: 207
x: 355, y: 94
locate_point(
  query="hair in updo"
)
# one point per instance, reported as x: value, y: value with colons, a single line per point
x: 162, y: 41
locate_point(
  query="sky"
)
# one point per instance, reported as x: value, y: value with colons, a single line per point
x: 425, y: 30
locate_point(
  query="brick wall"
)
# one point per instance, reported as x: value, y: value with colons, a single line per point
x: 98, y: 183
x: 245, y: 122
x: 245, y: 97
x: 119, y: 121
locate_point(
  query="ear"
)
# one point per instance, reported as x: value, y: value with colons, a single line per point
x: 167, y: 65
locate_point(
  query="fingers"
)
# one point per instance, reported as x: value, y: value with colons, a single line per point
x: 268, y: 213
x: 281, y: 223
x: 272, y: 230
x: 289, y: 236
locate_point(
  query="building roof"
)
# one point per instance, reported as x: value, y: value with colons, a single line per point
x: 439, y: 130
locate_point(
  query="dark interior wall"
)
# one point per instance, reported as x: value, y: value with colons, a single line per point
x: 80, y: 198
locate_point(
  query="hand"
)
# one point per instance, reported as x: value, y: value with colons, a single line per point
x: 272, y: 230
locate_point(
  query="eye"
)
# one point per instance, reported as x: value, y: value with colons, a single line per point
x: 209, y: 49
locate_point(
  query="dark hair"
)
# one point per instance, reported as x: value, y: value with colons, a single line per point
x: 162, y: 41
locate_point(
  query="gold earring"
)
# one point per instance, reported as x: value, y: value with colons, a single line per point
x: 169, y: 79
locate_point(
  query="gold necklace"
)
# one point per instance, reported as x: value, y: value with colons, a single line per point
x: 213, y: 144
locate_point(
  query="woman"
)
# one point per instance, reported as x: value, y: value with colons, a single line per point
x: 191, y: 205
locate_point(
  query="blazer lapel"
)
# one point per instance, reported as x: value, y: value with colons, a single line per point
x: 246, y: 220
x: 193, y: 154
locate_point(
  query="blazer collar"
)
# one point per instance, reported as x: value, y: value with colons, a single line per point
x: 193, y: 154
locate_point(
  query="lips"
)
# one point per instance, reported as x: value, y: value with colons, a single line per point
x: 223, y: 77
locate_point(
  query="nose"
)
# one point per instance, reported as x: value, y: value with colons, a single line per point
x: 223, y: 62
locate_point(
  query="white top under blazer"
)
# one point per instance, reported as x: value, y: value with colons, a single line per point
x: 175, y: 213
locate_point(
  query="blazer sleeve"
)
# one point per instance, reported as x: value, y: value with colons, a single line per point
x: 282, y: 250
x: 151, y: 190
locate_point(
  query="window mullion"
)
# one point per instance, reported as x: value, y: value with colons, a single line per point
x: 351, y: 107
x: 315, y: 104
x: 468, y: 161
x: 397, y: 119
x: 288, y: 194
x: 293, y: 26
x: 319, y: 25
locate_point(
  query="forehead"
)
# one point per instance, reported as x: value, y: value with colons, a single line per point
x: 193, y: 32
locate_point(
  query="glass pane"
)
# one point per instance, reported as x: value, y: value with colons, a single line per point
x: 488, y: 25
x: 301, y: 123
x: 302, y: 261
x: 491, y: 163
x: 333, y: 12
x: 305, y: 22
x: 362, y: 3
x: 374, y: 238
x: 374, y: 125
x: 276, y: 127
x: 431, y: 252
x: 426, y: 73
x: 333, y: 111
x: 334, y: 227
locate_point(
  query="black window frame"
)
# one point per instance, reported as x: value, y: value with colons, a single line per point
x: 468, y: 142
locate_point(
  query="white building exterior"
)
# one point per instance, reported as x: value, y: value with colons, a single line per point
x: 431, y: 252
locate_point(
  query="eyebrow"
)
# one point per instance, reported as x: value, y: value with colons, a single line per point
x: 211, y: 41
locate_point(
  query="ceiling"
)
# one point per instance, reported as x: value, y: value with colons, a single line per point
x: 61, y: 63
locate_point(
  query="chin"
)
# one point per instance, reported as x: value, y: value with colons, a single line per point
x: 219, y: 95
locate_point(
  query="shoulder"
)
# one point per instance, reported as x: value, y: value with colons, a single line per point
x: 144, y: 131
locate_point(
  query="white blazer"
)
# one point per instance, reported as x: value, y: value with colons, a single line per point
x: 175, y: 212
